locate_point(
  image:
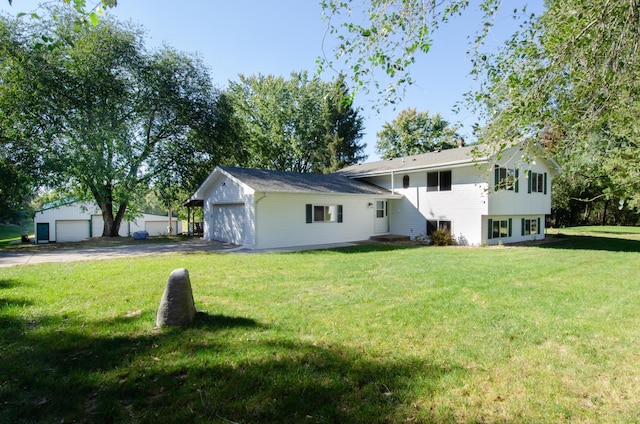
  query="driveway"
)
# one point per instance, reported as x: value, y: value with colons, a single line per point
x: 92, y: 253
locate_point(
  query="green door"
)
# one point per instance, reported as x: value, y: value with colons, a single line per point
x: 42, y: 232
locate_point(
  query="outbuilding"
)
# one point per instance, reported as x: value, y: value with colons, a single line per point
x: 71, y: 220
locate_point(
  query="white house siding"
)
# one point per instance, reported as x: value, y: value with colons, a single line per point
x: 281, y: 219
x: 518, y: 204
x: 463, y: 205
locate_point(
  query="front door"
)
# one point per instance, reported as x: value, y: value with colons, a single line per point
x: 382, y: 217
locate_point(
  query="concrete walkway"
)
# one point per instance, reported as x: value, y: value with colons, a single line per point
x: 8, y: 259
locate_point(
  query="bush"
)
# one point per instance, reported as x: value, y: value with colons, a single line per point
x: 442, y: 238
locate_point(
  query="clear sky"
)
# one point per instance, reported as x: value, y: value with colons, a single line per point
x: 280, y: 36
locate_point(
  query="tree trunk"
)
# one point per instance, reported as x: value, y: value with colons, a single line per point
x: 111, y: 223
x: 604, y: 213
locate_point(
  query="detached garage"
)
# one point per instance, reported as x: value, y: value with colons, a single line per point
x: 75, y: 221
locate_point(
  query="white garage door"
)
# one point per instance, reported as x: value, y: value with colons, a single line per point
x: 228, y: 223
x: 72, y: 230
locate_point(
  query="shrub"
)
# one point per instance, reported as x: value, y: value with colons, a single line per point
x: 442, y: 238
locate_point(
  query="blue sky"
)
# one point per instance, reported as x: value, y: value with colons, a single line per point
x: 280, y: 36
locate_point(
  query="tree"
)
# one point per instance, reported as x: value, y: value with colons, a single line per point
x: 378, y: 40
x: 109, y: 117
x: 90, y: 16
x: 299, y: 124
x: 574, y: 70
x: 412, y: 133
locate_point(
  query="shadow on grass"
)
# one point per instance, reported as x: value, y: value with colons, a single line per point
x: 593, y: 243
x: 217, y: 322
x: 56, y: 373
x: 7, y: 284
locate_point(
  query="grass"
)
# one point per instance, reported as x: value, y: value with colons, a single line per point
x: 370, y: 334
x: 9, y: 233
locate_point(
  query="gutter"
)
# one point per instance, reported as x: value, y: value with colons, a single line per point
x: 456, y: 164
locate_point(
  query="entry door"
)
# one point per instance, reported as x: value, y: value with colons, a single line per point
x: 382, y: 217
x: 42, y: 232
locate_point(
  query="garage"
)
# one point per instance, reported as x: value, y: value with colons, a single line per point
x: 157, y: 228
x: 228, y: 223
x: 72, y: 230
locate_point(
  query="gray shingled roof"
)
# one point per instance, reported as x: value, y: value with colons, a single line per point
x: 426, y: 160
x: 294, y: 182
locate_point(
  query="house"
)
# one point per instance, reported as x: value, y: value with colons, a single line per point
x: 71, y: 220
x: 479, y: 198
x: 262, y: 209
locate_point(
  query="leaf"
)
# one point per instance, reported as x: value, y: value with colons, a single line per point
x: 93, y: 18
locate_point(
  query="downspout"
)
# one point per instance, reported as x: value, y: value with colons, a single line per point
x: 393, y: 185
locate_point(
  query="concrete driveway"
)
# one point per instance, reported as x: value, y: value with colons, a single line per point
x: 85, y: 254
x: 94, y: 253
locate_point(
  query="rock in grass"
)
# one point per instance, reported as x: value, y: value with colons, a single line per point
x: 177, y: 308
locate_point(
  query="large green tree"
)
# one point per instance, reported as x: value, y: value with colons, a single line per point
x: 298, y: 124
x: 414, y: 132
x: 573, y: 71
x: 105, y: 115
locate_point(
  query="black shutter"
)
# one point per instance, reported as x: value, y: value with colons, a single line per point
x: 545, y: 183
x: 490, y: 233
x: 517, y: 179
x: 339, y: 213
x: 522, y: 230
x: 496, y: 177
x: 510, y: 225
x: 539, y: 229
x: 309, y: 213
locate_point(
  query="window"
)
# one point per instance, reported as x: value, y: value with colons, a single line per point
x: 439, y: 181
x: 433, y: 225
x: 323, y: 213
x: 499, y: 228
x: 531, y: 226
x: 405, y: 181
x: 537, y: 182
x: 506, y: 179
x: 381, y: 209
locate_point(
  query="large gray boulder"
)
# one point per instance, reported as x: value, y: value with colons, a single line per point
x: 176, y: 307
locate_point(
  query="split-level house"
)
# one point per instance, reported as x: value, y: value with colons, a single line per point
x: 478, y: 198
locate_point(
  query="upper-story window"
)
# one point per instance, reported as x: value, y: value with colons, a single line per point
x: 405, y: 181
x: 537, y: 182
x: 506, y: 179
x: 439, y: 181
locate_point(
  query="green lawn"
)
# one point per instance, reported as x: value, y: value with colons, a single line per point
x: 371, y: 334
x: 9, y: 233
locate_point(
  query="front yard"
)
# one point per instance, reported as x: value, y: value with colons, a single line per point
x: 369, y: 334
